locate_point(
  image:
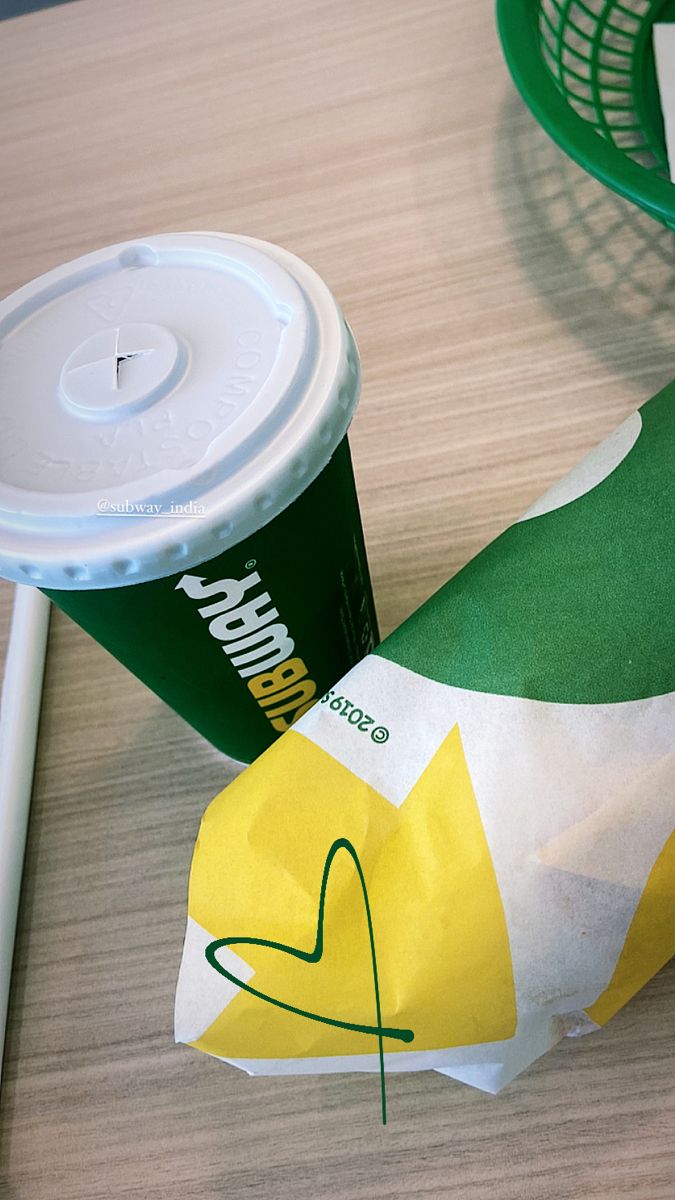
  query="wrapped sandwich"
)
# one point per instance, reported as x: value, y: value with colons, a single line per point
x: 465, y: 849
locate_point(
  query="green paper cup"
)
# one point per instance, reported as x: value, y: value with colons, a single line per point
x: 177, y: 477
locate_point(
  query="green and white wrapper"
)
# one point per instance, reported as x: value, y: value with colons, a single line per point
x: 509, y: 786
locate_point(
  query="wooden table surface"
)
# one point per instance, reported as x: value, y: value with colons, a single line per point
x: 509, y: 313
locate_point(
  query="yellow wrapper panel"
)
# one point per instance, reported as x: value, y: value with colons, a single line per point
x: 650, y: 942
x: 442, y: 945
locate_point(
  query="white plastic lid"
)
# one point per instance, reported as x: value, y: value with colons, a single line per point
x: 189, y: 372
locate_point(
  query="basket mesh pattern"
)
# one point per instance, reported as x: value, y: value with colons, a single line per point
x: 593, y: 50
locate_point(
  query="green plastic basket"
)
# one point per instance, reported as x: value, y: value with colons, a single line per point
x: 586, y: 70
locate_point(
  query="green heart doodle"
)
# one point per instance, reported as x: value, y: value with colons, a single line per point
x: 379, y: 1030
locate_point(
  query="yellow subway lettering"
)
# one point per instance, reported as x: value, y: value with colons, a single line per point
x: 292, y: 697
x: 273, y: 681
x: 281, y: 724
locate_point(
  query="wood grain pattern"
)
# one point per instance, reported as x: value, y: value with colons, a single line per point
x: 509, y: 313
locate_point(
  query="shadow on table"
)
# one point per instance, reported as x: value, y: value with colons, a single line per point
x: 604, y: 267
